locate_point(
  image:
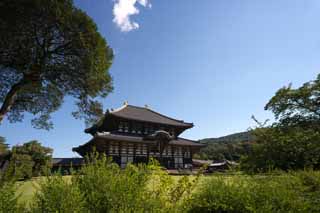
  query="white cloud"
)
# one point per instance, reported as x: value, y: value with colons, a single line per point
x: 123, y: 9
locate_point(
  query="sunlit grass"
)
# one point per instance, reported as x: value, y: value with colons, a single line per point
x: 26, y: 189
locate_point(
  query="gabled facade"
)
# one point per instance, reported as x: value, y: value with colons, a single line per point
x: 135, y: 134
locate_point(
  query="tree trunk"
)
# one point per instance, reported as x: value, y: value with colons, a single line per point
x: 10, y: 98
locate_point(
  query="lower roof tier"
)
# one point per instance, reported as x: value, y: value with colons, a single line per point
x: 106, y: 138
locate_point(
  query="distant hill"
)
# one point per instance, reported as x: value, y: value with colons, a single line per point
x: 236, y: 137
x: 230, y: 147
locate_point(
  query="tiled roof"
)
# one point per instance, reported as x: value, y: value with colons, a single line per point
x: 148, y: 115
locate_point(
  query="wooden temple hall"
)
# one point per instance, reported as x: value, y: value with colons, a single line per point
x: 135, y: 134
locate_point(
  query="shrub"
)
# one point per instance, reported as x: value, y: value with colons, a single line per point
x: 292, y: 148
x: 9, y: 199
x: 142, y: 188
x: 58, y: 195
x: 310, y: 181
x: 249, y: 194
x: 107, y: 188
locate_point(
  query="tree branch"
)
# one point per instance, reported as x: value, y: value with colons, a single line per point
x: 10, y: 98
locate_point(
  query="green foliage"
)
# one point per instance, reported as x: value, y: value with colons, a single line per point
x: 293, y: 141
x: 310, y: 181
x: 41, y: 156
x: 58, y: 195
x: 150, y: 189
x: 250, y: 194
x: 107, y: 188
x: 29, y: 160
x: 297, y: 106
x: 286, y: 149
x: 101, y: 186
x: 142, y: 188
x: 20, y: 166
x: 49, y: 50
x: 8, y: 199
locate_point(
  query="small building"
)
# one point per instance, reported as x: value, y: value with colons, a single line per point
x: 222, y: 166
x: 133, y: 134
x: 64, y: 165
x: 215, y: 166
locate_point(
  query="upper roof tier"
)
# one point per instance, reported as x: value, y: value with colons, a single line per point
x: 145, y: 114
x: 111, y: 120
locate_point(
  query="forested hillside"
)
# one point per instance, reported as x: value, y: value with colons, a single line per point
x: 236, y: 137
x: 229, y: 147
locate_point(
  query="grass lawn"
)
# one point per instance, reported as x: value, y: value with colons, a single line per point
x: 26, y: 189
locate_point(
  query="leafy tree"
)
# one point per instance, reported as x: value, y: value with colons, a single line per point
x: 286, y: 149
x: 30, y: 159
x: 293, y: 141
x: 297, y: 107
x: 20, y: 166
x: 49, y: 50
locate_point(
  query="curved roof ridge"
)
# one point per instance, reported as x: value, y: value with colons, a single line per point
x: 182, y: 121
x: 145, y: 108
x: 119, y: 109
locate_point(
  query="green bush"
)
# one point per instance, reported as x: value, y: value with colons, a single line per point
x: 142, y: 188
x: 107, y: 188
x: 9, y: 199
x: 57, y: 195
x: 249, y: 194
x: 310, y: 181
x: 293, y: 148
x: 101, y: 186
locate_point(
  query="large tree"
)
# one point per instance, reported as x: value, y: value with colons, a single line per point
x: 30, y: 159
x: 293, y: 141
x: 48, y: 50
x: 297, y: 107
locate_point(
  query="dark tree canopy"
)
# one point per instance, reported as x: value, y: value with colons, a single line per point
x: 49, y: 50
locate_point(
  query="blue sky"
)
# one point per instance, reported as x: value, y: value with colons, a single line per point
x: 211, y: 62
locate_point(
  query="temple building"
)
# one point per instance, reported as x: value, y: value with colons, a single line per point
x: 135, y: 134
